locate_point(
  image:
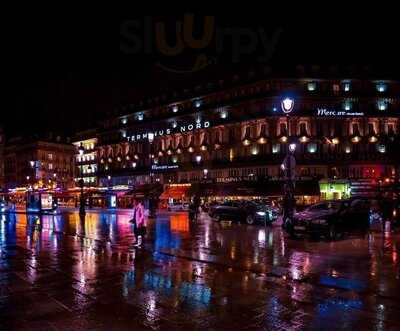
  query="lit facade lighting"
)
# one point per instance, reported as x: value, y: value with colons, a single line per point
x: 335, y: 141
x: 246, y: 142
x: 283, y: 139
x: 304, y: 139
x: 262, y: 140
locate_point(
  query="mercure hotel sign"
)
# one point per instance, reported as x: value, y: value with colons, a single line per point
x: 150, y: 135
x: 337, y: 113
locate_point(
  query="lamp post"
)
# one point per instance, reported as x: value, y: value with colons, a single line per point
x: 152, y: 204
x: 288, y: 166
x: 82, y: 211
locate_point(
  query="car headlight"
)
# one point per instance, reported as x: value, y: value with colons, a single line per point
x: 318, y: 221
x: 261, y: 213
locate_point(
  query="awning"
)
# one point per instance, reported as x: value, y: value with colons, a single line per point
x: 146, y: 191
x: 175, y: 192
x: 259, y: 189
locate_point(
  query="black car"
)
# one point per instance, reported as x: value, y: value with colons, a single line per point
x: 331, y: 218
x: 248, y: 212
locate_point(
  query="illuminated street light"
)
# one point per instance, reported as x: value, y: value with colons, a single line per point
x: 292, y: 148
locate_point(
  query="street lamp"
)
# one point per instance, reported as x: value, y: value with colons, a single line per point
x: 82, y: 211
x: 288, y: 167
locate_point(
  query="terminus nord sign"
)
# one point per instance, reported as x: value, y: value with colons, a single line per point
x: 150, y: 135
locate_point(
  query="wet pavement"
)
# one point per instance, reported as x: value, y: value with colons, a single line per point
x: 63, y: 273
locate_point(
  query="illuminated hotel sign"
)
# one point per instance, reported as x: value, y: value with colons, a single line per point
x: 164, y: 167
x: 334, y: 113
x: 178, y: 129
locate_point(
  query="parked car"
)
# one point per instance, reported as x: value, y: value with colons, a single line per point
x: 331, y: 218
x: 249, y: 212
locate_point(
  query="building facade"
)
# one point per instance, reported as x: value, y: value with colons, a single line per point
x: 38, y: 164
x: 85, y: 158
x: 341, y: 129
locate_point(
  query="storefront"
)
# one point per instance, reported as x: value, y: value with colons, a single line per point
x: 175, y: 194
x: 335, y: 189
x: 306, y: 192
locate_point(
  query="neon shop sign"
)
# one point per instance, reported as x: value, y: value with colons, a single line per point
x: 178, y: 129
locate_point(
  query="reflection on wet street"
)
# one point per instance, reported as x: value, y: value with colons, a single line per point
x: 63, y: 272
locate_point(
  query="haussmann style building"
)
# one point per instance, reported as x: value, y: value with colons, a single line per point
x: 232, y: 141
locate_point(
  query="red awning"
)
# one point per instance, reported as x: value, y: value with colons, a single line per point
x: 175, y: 192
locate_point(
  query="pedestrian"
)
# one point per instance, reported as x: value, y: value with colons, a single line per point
x: 196, y: 205
x: 140, y: 223
x: 192, y: 211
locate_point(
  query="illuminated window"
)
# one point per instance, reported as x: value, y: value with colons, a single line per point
x: 276, y: 148
x: 381, y: 87
x: 311, y: 86
x: 347, y: 105
x: 50, y: 166
x: 50, y: 156
x: 346, y: 87
x: 312, y: 148
x: 382, y: 105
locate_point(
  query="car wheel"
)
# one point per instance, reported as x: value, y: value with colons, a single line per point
x: 332, y: 233
x: 250, y: 220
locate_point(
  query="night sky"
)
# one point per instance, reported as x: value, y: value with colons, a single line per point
x: 67, y: 70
